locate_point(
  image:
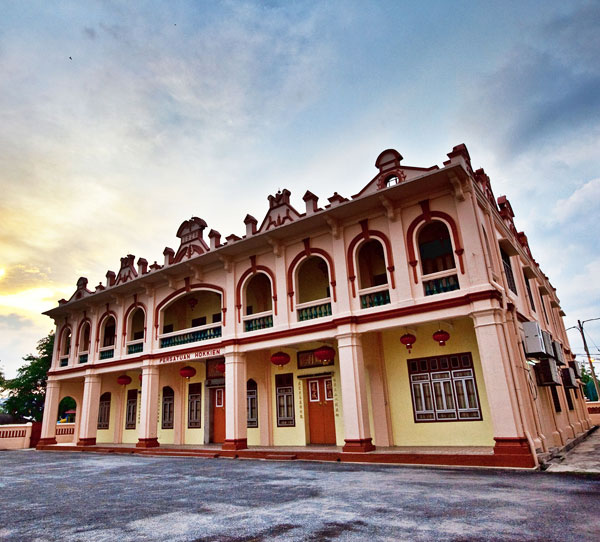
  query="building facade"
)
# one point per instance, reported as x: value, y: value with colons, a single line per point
x: 406, y: 323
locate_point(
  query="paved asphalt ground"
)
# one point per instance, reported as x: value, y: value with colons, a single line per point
x: 51, y: 496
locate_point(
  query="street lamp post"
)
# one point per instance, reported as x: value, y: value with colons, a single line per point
x: 587, y: 351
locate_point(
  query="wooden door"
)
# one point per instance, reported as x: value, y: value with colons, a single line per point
x: 321, y: 418
x: 217, y: 425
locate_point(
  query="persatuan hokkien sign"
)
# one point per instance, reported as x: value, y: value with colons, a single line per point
x: 191, y: 356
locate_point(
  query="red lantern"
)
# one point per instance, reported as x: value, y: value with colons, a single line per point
x: 220, y: 367
x: 187, y: 372
x: 325, y: 353
x: 280, y: 359
x: 408, y: 339
x: 140, y: 377
x: 441, y: 337
x: 123, y: 380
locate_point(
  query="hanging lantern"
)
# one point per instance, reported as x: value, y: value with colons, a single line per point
x: 408, y: 339
x: 187, y: 372
x: 220, y: 367
x: 441, y: 337
x: 325, y: 354
x: 280, y: 359
x: 123, y: 380
x: 140, y: 377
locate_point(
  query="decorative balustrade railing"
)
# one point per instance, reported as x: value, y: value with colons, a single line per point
x: 441, y: 285
x: 258, y: 321
x: 310, y: 311
x: 83, y: 358
x: 135, y: 347
x: 374, y: 299
x: 186, y: 336
x: 107, y: 353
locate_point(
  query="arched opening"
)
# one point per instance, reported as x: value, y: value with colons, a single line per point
x: 136, y: 330
x: 392, y: 180
x: 372, y: 275
x: 104, y: 411
x: 108, y: 334
x: 435, y: 250
x: 66, y: 410
x: 258, y: 303
x: 168, y: 408
x: 371, y: 265
x: 252, y: 403
x: 313, y: 293
x: 84, y: 342
x: 197, y: 313
x: 65, y: 347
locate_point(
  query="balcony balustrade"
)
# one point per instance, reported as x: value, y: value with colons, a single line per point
x: 262, y: 320
x: 83, y: 357
x: 441, y: 284
x: 374, y: 297
x: 313, y: 309
x: 191, y: 335
x: 107, y: 352
x: 64, y: 361
x: 135, y: 347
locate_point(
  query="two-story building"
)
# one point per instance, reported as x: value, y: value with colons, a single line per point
x: 407, y: 323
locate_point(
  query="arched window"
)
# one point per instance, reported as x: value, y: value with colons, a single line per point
x: 109, y: 331
x: 104, y: 411
x: 252, y: 403
x: 136, y: 325
x: 435, y: 248
x: 392, y: 180
x: 107, y: 337
x: 258, y: 294
x: 168, y: 406
x: 84, y: 342
x: 65, y: 347
x: 136, y: 331
x: 67, y: 408
x: 371, y: 265
x: 312, y: 284
x: 312, y: 280
x: 196, y: 309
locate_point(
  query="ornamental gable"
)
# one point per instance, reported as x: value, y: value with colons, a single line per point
x: 280, y: 211
x: 192, y: 242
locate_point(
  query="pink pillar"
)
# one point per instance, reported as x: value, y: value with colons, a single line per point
x: 50, y: 413
x: 90, y: 404
x: 504, y: 409
x: 148, y: 431
x: 236, y: 434
x: 357, y: 432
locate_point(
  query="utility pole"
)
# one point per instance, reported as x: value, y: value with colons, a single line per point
x: 587, y: 351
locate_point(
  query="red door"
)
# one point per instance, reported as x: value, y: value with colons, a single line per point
x: 321, y: 418
x: 217, y: 426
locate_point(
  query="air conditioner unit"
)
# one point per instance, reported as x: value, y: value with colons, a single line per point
x: 548, y: 343
x: 568, y: 377
x: 546, y: 373
x: 534, y: 342
x: 576, y: 368
x: 558, y: 353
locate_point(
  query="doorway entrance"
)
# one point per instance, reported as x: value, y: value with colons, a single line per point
x: 321, y: 417
x: 217, y: 415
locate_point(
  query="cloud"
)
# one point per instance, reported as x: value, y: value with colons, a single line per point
x: 584, y: 200
x: 548, y: 89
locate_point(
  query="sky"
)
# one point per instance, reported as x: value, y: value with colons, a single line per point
x: 120, y: 120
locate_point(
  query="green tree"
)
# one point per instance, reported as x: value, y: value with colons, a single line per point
x: 27, y: 391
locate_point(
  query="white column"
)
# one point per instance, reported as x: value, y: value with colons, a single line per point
x: 148, y: 430
x: 357, y: 432
x: 50, y: 413
x: 235, y: 402
x: 90, y: 404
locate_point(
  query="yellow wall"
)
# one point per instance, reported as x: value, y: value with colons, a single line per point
x: 194, y: 435
x: 299, y: 435
x: 130, y: 436
x: 108, y: 435
x: 312, y: 279
x: 405, y: 431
